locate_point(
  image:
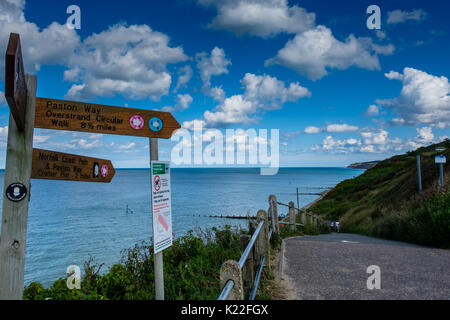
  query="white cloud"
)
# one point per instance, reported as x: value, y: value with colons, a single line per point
x: 341, y: 128
x: 53, y: 45
x: 193, y: 123
x: 217, y: 93
x: 376, y: 141
x: 235, y: 109
x: 185, y: 75
x: 400, y: 16
x: 40, y: 138
x: 381, y: 34
x: 312, y: 130
x: 373, y: 110
x: 369, y: 149
x: 260, y: 93
x: 290, y: 135
x: 213, y: 64
x: 264, y: 18
x: 375, y: 137
x: 126, y: 60
x: 315, y: 51
x: 3, y: 132
x: 425, y: 135
x: 329, y: 144
x: 126, y: 146
x: 183, y: 102
x: 270, y: 91
x: 2, y: 99
x: 391, y: 75
x: 86, y: 144
x: 424, y: 98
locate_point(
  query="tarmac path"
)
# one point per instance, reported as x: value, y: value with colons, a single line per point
x: 334, y: 266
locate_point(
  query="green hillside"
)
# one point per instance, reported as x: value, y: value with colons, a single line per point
x: 384, y: 200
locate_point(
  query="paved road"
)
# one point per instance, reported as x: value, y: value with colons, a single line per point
x: 334, y: 266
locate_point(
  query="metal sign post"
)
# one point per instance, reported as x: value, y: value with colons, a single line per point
x: 419, y: 175
x: 440, y: 159
x: 158, y: 262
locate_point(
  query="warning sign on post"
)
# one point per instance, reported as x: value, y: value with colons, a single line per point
x: 161, y: 205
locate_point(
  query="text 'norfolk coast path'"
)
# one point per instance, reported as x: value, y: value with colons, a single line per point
x: 96, y: 118
x: 64, y: 166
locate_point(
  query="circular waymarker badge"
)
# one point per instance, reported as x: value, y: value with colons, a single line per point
x: 104, y: 171
x: 136, y: 122
x: 16, y: 192
x: 157, y: 183
x: 155, y: 124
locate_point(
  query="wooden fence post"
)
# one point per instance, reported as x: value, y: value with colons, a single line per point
x: 303, y: 217
x: 248, y: 268
x: 230, y: 270
x: 273, y: 204
x: 263, y: 237
x: 15, y: 212
x: 292, y: 216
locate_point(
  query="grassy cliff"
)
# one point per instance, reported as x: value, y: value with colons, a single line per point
x: 384, y: 200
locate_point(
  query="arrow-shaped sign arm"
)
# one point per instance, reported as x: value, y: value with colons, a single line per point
x: 15, y: 86
x: 65, y: 166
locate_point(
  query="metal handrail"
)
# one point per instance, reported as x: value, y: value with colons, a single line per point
x: 250, y: 244
x: 258, y: 275
x: 226, y: 290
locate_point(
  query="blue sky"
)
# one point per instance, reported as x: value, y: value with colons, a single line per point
x: 337, y: 91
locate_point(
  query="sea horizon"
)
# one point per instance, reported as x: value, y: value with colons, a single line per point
x: 70, y: 220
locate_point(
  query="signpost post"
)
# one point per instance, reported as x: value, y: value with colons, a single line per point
x: 419, y: 175
x: 440, y: 159
x: 162, y: 214
x: 20, y: 92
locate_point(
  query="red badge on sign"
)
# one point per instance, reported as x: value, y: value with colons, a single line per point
x: 104, y: 171
x: 157, y: 183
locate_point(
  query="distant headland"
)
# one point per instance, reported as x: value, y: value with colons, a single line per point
x: 363, y: 165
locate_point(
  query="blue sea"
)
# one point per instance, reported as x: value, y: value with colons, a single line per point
x: 68, y: 221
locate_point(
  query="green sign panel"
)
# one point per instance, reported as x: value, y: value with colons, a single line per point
x: 159, y: 168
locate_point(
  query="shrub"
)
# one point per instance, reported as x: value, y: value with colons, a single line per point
x: 426, y: 223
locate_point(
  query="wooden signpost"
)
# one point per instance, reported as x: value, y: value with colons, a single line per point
x: 64, y: 166
x: 20, y: 92
x: 89, y: 117
x: 23, y: 162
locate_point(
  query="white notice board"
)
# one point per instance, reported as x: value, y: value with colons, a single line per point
x: 161, y: 205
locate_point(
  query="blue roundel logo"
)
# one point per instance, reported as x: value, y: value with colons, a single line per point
x: 155, y: 124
